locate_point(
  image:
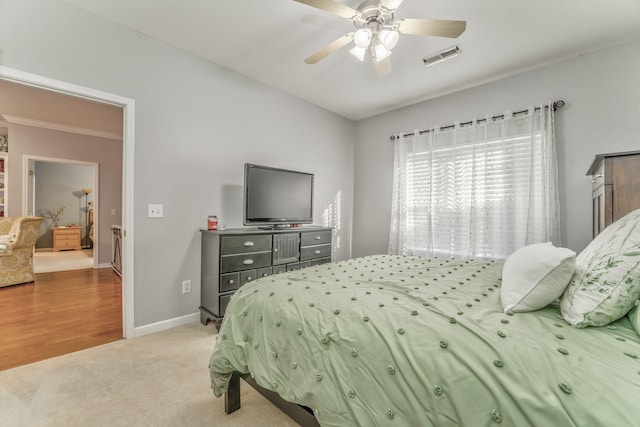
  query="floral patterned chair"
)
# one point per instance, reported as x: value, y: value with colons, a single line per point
x: 18, y: 237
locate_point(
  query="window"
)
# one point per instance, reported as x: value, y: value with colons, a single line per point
x: 479, y: 190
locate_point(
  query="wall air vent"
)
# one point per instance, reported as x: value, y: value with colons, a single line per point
x: 441, y: 56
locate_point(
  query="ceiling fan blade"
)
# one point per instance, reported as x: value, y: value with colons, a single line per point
x: 432, y: 27
x: 390, y: 5
x: 333, y: 7
x: 330, y: 48
x: 382, y: 67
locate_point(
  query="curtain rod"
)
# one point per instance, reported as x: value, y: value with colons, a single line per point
x: 556, y: 105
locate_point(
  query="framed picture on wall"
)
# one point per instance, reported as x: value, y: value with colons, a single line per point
x: 4, y: 144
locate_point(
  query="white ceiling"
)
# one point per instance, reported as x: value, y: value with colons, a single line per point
x: 268, y: 41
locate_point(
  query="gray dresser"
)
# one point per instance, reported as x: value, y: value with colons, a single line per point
x: 233, y: 257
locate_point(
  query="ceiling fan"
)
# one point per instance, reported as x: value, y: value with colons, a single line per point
x: 376, y: 30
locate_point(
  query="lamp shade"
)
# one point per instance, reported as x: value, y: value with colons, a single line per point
x: 388, y: 38
x: 358, y: 52
x: 381, y: 52
x: 86, y: 191
x: 362, y: 37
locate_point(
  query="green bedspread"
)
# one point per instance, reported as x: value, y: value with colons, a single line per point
x: 409, y: 341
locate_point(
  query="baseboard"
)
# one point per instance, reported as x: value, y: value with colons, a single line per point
x: 165, y: 324
x: 104, y: 265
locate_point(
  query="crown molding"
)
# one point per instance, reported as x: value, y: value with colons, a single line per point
x: 59, y: 127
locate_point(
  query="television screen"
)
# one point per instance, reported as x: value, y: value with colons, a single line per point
x: 275, y: 196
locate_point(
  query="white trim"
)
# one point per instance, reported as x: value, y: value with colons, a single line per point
x: 104, y: 265
x: 166, y: 324
x: 60, y: 127
x: 128, y: 145
x: 5, y: 180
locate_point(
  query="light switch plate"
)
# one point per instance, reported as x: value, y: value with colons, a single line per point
x: 155, y: 211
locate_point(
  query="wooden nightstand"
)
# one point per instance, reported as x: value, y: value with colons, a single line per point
x: 66, y: 238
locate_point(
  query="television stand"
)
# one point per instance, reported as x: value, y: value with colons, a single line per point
x: 233, y: 257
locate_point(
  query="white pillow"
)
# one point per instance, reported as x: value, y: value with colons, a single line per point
x: 536, y: 275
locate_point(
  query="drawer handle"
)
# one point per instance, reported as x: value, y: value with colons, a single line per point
x: 317, y: 251
x: 247, y: 262
x: 317, y: 238
x: 248, y: 278
x: 231, y: 282
x: 248, y: 244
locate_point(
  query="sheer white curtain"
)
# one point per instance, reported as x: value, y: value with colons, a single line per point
x: 479, y: 190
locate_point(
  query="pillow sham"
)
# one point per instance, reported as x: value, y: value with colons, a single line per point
x: 534, y: 276
x: 634, y: 317
x: 606, y: 283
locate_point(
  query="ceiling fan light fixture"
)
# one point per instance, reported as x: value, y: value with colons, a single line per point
x: 381, y: 52
x: 358, y: 52
x: 388, y: 38
x: 362, y: 38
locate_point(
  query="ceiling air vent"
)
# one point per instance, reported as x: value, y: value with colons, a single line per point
x: 441, y: 56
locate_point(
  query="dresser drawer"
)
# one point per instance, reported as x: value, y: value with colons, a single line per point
x: 277, y: 269
x: 264, y: 272
x: 224, y: 302
x: 320, y: 261
x: 316, y: 238
x: 242, y: 244
x: 248, y: 276
x: 313, y: 252
x: 67, y: 237
x: 242, y: 262
x: 229, y: 282
x: 61, y: 232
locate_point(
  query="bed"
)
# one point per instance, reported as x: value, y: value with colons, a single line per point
x: 408, y: 341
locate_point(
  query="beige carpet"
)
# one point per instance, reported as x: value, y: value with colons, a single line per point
x: 47, y: 261
x: 155, y: 380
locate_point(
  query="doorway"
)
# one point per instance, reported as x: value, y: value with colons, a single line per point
x: 65, y: 193
x: 128, y: 140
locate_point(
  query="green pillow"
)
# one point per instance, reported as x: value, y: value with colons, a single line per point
x: 634, y: 317
x: 606, y: 284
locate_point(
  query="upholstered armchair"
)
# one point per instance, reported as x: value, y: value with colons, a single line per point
x: 18, y: 237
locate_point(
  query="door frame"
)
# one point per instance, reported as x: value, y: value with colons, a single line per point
x: 27, y: 182
x: 128, y: 143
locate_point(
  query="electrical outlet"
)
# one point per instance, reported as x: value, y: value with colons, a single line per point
x: 186, y: 286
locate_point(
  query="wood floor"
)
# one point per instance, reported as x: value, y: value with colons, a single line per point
x: 59, y: 313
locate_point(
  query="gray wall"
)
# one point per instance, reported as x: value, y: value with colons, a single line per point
x: 196, y: 125
x: 59, y: 185
x: 602, y: 92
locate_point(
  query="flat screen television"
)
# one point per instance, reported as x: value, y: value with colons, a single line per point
x: 277, y: 197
